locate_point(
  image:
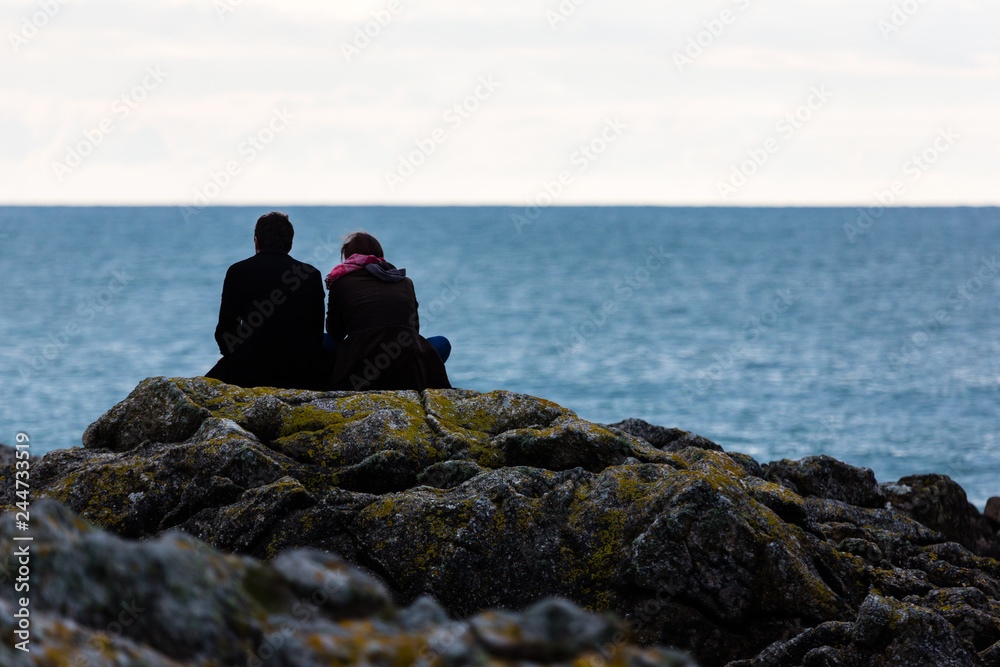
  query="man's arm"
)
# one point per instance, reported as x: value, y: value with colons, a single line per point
x: 316, y: 299
x: 416, y: 308
x: 226, y: 332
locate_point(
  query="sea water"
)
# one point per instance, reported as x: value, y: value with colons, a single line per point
x: 870, y: 336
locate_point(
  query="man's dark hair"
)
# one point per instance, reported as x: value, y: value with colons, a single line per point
x: 361, y: 243
x: 274, y: 230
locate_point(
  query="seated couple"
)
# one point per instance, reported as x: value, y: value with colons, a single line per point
x: 270, y: 328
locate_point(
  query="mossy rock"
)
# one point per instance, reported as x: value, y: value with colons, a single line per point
x: 100, y: 600
x: 501, y: 500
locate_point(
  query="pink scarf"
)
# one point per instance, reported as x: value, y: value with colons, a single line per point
x: 353, y: 263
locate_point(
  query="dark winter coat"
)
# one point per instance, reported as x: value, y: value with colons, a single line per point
x: 376, y: 309
x: 270, y: 328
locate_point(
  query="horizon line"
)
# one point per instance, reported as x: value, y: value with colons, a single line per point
x: 272, y: 206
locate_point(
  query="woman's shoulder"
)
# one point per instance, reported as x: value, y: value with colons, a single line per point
x: 366, y: 280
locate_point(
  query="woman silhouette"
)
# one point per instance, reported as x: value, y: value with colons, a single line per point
x: 373, y: 329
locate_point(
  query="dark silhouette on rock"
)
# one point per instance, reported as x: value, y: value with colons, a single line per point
x: 270, y: 329
x: 374, y: 322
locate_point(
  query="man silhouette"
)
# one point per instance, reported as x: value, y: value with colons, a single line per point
x: 270, y: 328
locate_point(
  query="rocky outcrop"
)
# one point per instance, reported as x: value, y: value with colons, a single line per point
x: 940, y: 504
x: 501, y: 500
x: 99, y: 600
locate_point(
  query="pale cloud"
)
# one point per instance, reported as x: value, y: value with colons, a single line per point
x: 851, y: 63
x: 353, y: 120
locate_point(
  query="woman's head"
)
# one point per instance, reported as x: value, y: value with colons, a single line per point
x: 361, y: 243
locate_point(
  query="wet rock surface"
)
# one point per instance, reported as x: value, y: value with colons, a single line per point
x: 501, y: 501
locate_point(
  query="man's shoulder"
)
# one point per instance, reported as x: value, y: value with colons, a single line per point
x: 305, y: 265
x: 241, y: 266
x: 264, y: 259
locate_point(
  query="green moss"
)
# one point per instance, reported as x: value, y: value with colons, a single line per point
x: 604, y: 512
x: 108, y: 503
x: 308, y: 418
x: 492, y: 413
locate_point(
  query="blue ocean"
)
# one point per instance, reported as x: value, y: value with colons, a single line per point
x: 870, y: 336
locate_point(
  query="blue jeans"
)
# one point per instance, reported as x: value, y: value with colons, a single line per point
x: 440, y: 343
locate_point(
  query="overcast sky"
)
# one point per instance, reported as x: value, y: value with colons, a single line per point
x: 735, y: 102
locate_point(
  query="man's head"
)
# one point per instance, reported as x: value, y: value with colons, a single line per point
x: 361, y: 243
x: 273, y: 232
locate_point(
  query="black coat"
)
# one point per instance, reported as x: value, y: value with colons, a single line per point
x: 270, y: 328
x: 383, y: 349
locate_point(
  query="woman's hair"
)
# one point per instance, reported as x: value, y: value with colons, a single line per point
x: 361, y: 243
